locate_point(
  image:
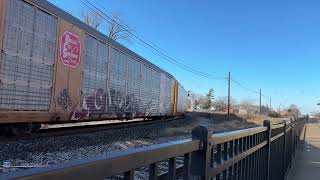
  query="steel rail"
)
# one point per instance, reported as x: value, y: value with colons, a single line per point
x: 73, y: 130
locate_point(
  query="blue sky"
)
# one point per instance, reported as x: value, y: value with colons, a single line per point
x: 269, y: 44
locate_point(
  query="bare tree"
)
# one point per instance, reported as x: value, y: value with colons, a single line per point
x: 199, y: 101
x: 91, y: 18
x: 118, y: 28
x: 247, y: 102
x: 293, y: 110
x: 221, y: 103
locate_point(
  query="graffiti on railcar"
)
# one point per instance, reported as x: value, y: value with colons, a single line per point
x: 95, y: 103
x: 121, y: 103
x: 99, y: 105
x: 64, y: 100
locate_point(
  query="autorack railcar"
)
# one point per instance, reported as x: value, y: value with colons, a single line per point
x: 55, y: 68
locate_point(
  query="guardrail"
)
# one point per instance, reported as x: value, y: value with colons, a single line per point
x: 263, y: 153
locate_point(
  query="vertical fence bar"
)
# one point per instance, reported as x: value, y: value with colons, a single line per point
x: 289, y: 145
x: 293, y: 126
x: 153, y: 174
x: 186, y: 166
x: 129, y: 175
x: 256, y: 164
x: 225, y: 151
x: 224, y: 175
x: 230, y: 172
x: 260, y: 164
x: 284, y: 168
x: 246, y: 162
x: 200, y: 160
x: 231, y: 149
x: 244, y: 174
x: 267, y: 124
x: 172, y: 168
x: 240, y: 165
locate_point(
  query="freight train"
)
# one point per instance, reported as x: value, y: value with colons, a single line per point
x: 55, y: 68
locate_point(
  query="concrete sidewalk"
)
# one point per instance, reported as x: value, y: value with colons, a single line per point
x: 306, y: 165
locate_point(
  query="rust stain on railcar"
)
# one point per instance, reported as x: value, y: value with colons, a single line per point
x: 25, y: 116
x: 2, y: 17
x: 175, y: 96
x: 67, y: 74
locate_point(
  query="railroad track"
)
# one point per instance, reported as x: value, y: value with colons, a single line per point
x: 73, y: 130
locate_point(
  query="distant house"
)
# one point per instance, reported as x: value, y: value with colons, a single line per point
x: 243, y: 111
x: 246, y: 109
x: 284, y: 114
x: 225, y: 109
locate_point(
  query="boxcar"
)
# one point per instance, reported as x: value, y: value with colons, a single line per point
x: 55, y: 68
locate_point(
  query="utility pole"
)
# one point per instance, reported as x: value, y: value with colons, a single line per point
x: 229, y: 94
x: 270, y: 104
x: 260, y: 101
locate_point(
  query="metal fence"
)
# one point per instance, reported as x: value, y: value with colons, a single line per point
x: 260, y: 153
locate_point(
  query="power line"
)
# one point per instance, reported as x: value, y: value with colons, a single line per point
x: 142, y: 37
x: 244, y: 87
x: 97, y: 2
x: 155, y: 50
x: 247, y: 88
x: 253, y: 91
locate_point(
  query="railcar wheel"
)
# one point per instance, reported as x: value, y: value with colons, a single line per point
x: 4, y: 130
x: 35, y: 127
x: 129, y: 116
x: 23, y: 128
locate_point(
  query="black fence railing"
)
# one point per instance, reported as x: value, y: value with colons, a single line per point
x: 260, y: 153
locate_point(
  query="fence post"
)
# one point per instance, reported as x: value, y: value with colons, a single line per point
x: 200, y: 160
x: 284, y: 149
x: 305, y: 123
x: 296, y: 132
x: 291, y: 141
x: 267, y: 124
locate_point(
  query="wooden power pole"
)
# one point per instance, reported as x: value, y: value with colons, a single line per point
x: 229, y: 94
x: 260, y: 101
x: 270, y: 104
